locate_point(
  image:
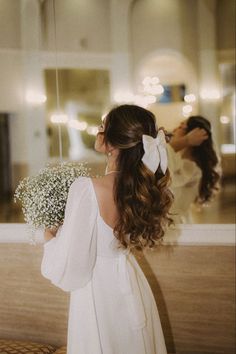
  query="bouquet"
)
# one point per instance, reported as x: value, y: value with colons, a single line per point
x: 43, y: 197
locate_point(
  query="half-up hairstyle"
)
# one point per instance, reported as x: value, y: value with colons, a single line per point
x: 205, y: 157
x: 142, y: 198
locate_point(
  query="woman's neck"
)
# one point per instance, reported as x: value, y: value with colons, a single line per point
x: 111, y: 172
x: 111, y: 167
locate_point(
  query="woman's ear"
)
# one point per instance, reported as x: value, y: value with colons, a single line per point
x: 112, y: 151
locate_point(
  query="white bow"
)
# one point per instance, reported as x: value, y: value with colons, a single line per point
x: 155, y: 152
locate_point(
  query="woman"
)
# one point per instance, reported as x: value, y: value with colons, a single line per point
x: 193, y: 165
x: 112, y: 309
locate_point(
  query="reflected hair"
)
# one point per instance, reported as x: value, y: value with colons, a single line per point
x: 143, y: 199
x: 206, y: 158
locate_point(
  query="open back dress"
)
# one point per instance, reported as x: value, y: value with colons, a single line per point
x: 112, y: 309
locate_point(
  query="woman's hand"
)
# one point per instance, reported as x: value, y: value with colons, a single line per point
x: 50, y: 233
x: 194, y: 138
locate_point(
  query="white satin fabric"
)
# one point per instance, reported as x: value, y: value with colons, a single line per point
x: 155, y: 152
x: 112, y: 309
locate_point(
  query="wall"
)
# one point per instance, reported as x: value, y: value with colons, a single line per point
x: 11, y: 80
x: 10, y: 24
x: 164, y: 24
x: 81, y: 25
x: 225, y: 17
x: 10, y: 57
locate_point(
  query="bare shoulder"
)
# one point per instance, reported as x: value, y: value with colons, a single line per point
x: 103, y: 188
x: 96, y: 180
x: 102, y: 183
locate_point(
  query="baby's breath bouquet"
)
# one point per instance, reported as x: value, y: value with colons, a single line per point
x: 43, y: 197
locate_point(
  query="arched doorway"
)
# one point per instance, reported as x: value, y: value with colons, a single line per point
x: 173, y: 71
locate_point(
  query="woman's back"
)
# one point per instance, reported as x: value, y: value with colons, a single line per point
x: 103, y: 189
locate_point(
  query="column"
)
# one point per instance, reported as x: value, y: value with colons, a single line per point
x: 208, y: 65
x: 33, y: 109
x: 120, y: 42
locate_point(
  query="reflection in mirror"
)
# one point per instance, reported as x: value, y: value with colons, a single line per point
x: 84, y: 97
x: 167, y: 64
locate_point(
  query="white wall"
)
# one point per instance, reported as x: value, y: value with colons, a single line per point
x: 10, y: 23
x: 10, y: 58
x: 164, y: 24
x: 226, y: 24
x: 81, y: 25
x: 11, y: 80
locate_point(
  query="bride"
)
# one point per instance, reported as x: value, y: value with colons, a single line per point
x: 112, y: 308
x: 194, y: 167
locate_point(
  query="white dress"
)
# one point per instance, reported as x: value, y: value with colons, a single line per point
x: 112, y: 308
x: 185, y: 179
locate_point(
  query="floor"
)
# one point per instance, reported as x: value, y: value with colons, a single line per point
x: 221, y: 210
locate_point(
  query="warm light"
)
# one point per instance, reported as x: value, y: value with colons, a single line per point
x: 157, y: 90
x: 151, y: 86
x: 147, y: 80
x: 155, y: 80
x: 122, y: 97
x: 224, y: 120
x: 228, y: 148
x: 73, y: 123
x: 92, y: 130
x: 150, y: 99
x: 153, y: 90
x: 144, y: 101
x: 104, y: 116
x: 35, y: 98
x: 150, y: 80
x: 59, y: 118
x: 187, y: 109
x: 190, y: 98
x: 140, y: 101
x: 210, y: 94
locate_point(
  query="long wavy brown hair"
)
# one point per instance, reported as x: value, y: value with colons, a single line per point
x: 143, y: 198
x: 205, y: 157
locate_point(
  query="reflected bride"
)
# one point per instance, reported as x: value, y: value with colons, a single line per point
x: 193, y: 166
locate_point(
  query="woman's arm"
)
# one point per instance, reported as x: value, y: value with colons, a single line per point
x: 69, y: 258
x: 194, y: 138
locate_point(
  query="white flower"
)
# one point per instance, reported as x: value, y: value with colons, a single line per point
x: 43, y: 197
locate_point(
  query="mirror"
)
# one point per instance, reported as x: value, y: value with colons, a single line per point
x: 68, y: 64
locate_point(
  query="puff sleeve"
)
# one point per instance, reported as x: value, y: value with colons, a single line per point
x: 183, y: 172
x: 69, y: 258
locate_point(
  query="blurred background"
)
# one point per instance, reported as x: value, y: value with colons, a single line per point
x: 64, y: 64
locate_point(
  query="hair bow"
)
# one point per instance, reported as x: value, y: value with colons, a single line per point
x: 155, y: 152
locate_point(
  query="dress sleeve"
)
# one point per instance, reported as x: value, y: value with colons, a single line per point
x: 183, y: 172
x: 69, y: 258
